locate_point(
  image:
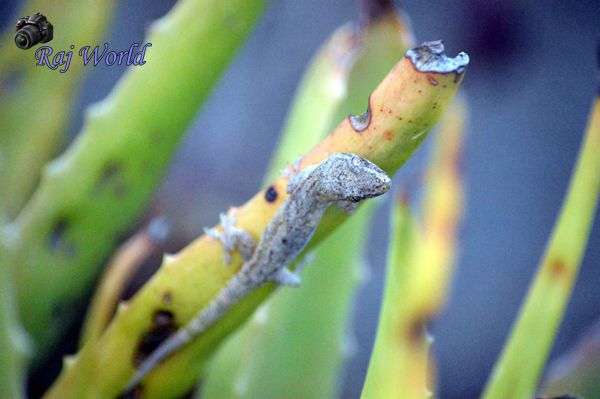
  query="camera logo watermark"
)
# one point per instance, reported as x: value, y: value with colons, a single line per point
x: 32, y: 30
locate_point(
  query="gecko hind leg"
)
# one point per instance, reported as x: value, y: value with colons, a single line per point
x: 291, y: 278
x: 287, y: 277
x: 232, y: 238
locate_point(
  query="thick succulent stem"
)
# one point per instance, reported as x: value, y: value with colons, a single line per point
x: 399, y: 346
x: 234, y: 369
x: 402, y: 109
x: 298, y: 341
x: 35, y: 101
x: 119, y: 272
x: 418, y: 275
x: 94, y: 192
x: 294, y: 337
x: 517, y: 372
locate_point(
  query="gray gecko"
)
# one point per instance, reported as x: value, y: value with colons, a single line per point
x: 341, y: 179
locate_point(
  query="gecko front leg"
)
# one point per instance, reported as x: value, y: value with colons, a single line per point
x: 232, y: 238
x: 235, y: 239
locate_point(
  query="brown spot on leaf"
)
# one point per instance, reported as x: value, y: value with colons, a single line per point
x: 432, y: 80
x: 110, y: 172
x: 163, y: 325
x: 58, y: 232
x: 57, y: 241
x: 111, y: 177
x: 388, y: 135
x: 416, y: 330
x: 167, y: 298
x: 271, y: 194
x: 558, y: 269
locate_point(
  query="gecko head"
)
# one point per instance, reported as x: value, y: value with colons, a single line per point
x: 352, y: 178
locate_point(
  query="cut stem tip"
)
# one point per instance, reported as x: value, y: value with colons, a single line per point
x: 430, y: 57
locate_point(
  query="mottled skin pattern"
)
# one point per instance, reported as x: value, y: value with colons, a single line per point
x: 341, y: 179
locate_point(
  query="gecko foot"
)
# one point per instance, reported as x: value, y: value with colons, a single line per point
x: 287, y: 277
x: 295, y: 168
x: 232, y: 238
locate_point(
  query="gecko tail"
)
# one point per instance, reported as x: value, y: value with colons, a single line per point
x: 172, y: 344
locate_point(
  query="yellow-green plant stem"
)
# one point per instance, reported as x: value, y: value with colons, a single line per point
x: 399, y: 346
x: 418, y: 274
x: 296, y: 340
x: 35, y: 101
x: 403, y: 108
x: 124, y: 264
x: 517, y: 372
x: 93, y: 193
x: 295, y: 337
x: 319, y: 94
x: 442, y: 212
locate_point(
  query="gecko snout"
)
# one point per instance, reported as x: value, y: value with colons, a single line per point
x: 375, y: 183
x: 355, y: 178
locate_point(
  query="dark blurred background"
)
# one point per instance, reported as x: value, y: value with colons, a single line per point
x: 529, y: 86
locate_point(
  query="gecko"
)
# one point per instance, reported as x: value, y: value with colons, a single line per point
x: 341, y: 179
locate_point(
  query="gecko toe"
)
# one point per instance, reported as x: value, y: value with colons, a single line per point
x: 287, y: 277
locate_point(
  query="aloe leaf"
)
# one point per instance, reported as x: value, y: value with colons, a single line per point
x: 420, y: 265
x: 92, y: 193
x: 36, y: 102
x: 518, y: 370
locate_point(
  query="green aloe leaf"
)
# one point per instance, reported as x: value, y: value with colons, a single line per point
x: 518, y: 370
x: 93, y: 193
